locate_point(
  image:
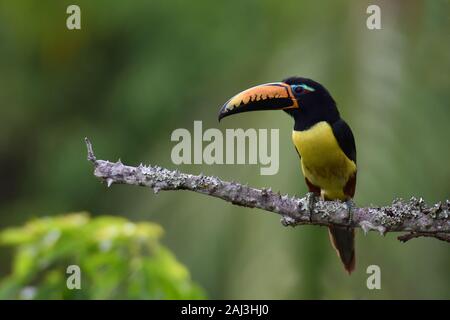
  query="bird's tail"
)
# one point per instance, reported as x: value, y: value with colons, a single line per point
x: 343, y: 240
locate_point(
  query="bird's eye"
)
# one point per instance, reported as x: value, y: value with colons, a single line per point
x: 298, y: 89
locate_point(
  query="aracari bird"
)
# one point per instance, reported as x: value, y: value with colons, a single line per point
x: 322, y: 139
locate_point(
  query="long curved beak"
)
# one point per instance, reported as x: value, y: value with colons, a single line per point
x: 269, y: 96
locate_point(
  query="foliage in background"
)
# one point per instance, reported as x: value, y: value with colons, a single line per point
x: 137, y: 70
x: 118, y: 260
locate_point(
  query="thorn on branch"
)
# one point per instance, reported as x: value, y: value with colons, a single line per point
x: 90, y: 151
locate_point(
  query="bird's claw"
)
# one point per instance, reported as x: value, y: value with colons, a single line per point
x: 350, y: 205
x: 310, y: 200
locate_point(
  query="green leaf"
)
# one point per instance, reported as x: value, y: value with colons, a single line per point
x: 118, y: 259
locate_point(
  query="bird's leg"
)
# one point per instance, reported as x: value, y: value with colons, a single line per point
x: 350, y: 205
x: 310, y: 200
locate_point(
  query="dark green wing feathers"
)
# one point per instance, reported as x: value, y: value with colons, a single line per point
x: 345, y: 139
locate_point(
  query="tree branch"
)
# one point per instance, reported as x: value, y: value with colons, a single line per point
x: 414, y: 216
x: 412, y: 235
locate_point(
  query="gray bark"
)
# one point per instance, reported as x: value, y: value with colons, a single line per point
x: 413, y: 216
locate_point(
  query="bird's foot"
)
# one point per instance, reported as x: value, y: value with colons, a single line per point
x: 350, y: 205
x: 310, y: 200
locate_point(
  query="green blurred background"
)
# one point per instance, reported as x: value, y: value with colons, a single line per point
x: 138, y: 70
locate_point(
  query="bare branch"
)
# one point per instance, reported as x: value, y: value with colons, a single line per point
x: 413, y: 216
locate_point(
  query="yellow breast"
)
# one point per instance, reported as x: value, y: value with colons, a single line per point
x: 323, y: 162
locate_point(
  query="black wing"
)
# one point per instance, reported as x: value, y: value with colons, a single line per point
x: 345, y: 139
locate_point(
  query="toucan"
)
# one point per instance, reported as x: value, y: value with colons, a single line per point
x: 322, y: 139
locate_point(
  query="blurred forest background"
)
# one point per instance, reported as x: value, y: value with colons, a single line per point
x: 138, y: 70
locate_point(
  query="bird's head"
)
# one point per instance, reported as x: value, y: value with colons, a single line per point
x: 307, y: 101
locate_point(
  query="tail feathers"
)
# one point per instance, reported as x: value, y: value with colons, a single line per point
x: 343, y: 240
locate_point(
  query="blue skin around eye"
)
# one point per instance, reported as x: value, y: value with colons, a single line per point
x: 304, y: 86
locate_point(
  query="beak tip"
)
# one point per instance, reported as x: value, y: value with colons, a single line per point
x: 222, y: 113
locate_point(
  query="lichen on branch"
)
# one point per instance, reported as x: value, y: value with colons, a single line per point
x: 413, y: 216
